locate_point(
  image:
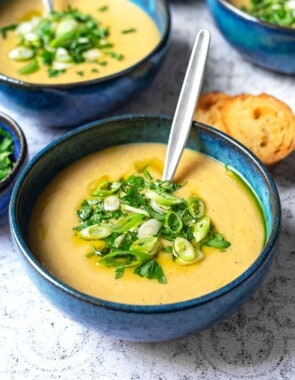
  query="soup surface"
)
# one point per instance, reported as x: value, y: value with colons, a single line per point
x: 230, y: 206
x: 132, y: 33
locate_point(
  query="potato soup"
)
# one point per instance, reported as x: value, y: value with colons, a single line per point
x: 126, y: 35
x: 229, y: 204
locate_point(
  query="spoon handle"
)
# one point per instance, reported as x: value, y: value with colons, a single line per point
x: 48, y: 4
x: 188, y: 98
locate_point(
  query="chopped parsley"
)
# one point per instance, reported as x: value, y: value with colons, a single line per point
x: 138, y: 217
x: 6, y: 151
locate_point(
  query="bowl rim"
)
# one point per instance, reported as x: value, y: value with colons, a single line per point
x: 14, y: 126
x: 13, y: 82
x: 135, y: 308
x: 255, y: 20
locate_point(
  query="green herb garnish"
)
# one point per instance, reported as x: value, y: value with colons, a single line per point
x: 130, y: 30
x: 139, y: 217
x: 103, y: 8
x: 54, y: 72
x: 29, y: 68
x: 277, y: 12
x: 6, y: 151
x: 116, y: 56
x: 5, y: 29
x: 61, y: 40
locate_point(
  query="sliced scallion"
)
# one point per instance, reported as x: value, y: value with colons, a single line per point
x: 149, y: 228
x: 137, y: 218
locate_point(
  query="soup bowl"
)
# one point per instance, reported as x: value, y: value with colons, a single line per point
x: 19, y: 157
x: 133, y: 322
x: 69, y: 105
x: 267, y: 45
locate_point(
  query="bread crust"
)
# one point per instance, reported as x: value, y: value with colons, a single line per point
x: 208, y: 109
x: 263, y: 123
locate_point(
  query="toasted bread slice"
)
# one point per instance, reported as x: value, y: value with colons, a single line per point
x: 263, y: 123
x: 208, y: 109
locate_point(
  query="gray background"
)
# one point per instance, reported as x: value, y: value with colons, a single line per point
x: 257, y: 342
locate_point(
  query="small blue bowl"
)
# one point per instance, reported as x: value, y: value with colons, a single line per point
x: 19, y: 157
x: 267, y: 45
x: 70, y: 105
x: 134, y: 322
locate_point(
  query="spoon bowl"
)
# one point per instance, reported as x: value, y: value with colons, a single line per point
x: 49, y: 5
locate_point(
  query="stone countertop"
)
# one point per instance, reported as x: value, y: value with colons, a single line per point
x: 257, y: 342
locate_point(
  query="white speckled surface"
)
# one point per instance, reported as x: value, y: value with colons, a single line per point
x: 258, y: 342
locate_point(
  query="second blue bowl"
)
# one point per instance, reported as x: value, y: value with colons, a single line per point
x: 70, y: 105
x: 267, y: 45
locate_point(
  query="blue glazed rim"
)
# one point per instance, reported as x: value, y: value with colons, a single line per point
x: 41, y: 86
x: 133, y: 308
x: 20, y: 148
x: 256, y: 20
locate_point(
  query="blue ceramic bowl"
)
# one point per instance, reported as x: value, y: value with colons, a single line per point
x: 133, y: 322
x: 262, y: 43
x: 19, y: 157
x: 70, y: 105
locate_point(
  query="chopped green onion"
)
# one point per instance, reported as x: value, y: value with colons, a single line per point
x: 159, y: 208
x: 111, y: 203
x: 103, y: 8
x: 127, y: 223
x: 201, y: 228
x: 120, y: 258
x: 54, y: 72
x: 149, y: 228
x: 173, y: 222
x: 130, y: 30
x: 137, y: 216
x: 134, y: 210
x: 30, y: 68
x: 183, y: 249
x: 21, y: 53
x: 196, y: 207
x: 106, y: 188
x: 162, y: 198
x: 149, y: 245
x: 62, y: 55
x: 68, y: 25
x: 116, y: 56
x: 95, y: 232
x: 7, y: 28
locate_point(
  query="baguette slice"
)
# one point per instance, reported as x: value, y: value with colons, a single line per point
x: 208, y: 109
x: 263, y: 123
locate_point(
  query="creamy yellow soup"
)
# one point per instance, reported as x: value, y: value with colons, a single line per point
x: 232, y: 209
x: 120, y: 15
x: 241, y: 3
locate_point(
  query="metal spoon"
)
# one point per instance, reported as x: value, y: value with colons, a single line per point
x: 48, y: 4
x: 187, y: 101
